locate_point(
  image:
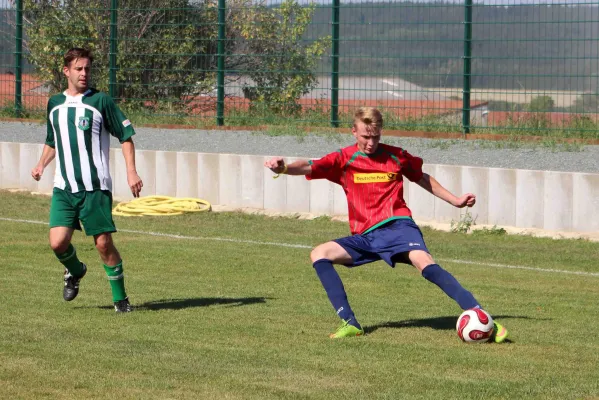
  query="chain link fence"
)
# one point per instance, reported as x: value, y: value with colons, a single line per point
x: 500, y: 66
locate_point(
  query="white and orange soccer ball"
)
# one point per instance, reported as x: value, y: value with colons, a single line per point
x: 475, y: 326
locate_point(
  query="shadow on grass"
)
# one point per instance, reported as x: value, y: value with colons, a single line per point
x: 179, y: 304
x: 439, y: 323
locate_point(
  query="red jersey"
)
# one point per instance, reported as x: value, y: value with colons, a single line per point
x: 372, y: 183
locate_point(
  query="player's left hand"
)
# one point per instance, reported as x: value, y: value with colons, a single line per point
x: 135, y: 183
x: 467, y: 200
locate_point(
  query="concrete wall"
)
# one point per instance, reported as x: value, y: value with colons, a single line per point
x: 519, y: 198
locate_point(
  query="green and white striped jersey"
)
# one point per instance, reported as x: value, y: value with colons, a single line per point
x: 79, y: 128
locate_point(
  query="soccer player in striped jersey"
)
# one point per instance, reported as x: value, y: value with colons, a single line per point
x: 371, y: 174
x: 79, y: 124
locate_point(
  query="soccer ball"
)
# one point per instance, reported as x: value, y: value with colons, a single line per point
x: 475, y: 326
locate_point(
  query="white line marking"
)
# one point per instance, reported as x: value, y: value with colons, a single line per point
x: 303, y: 246
x: 393, y: 93
x: 24, y: 220
x: 218, y: 239
x: 174, y: 236
x: 521, y: 267
x: 390, y: 82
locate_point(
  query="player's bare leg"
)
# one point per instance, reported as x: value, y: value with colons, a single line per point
x: 106, y: 248
x: 60, y: 238
x: 331, y: 251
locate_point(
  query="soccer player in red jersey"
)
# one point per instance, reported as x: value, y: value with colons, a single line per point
x: 371, y: 174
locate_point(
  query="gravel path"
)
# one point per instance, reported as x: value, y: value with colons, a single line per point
x: 572, y: 158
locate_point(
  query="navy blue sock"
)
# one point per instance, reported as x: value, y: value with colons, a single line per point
x: 437, y: 275
x: 334, y: 287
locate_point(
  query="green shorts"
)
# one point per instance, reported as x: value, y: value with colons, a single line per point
x: 93, y: 209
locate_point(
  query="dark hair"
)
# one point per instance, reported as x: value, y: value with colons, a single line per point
x: 76, y: 53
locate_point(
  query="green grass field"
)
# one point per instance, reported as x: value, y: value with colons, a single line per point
x: 247, y: 318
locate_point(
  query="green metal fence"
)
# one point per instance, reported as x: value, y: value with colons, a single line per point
x: 499, y: 66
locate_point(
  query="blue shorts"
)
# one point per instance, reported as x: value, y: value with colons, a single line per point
x: 386, y: 243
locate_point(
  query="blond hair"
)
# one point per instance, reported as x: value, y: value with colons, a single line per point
x: 369, y: 116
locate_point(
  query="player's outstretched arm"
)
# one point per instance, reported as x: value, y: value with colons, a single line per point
x: 278, y: 166
x: 48, y: 155
x: 431, y: 185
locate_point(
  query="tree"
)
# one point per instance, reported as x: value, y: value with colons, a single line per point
x: 167, y: 49
x: 151, y: 68
x: 280, y: 65
x: 541, y: 104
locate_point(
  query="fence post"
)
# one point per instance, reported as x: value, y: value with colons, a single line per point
x: 467, y: 67
x: 113, y: 48
x: 18, y: 59
x: 335, y: 65
x: 220, y: 76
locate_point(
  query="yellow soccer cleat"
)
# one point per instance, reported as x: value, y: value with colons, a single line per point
x: 499, y: 334
x: 346, y: 330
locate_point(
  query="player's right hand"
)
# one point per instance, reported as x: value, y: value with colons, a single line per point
x: 276, y: 164
x: 37, y: 172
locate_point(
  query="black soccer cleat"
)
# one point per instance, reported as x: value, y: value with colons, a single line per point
x: 71, y: 284
x: 122, y: 306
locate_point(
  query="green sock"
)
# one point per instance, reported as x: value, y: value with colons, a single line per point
x: 117, y: 281
x: 71, y: 262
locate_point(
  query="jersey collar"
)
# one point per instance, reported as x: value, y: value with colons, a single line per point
x: 88, y: 91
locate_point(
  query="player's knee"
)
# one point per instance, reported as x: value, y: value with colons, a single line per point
x: 104, y: 244
x: 420, y: 259
x: 314, y: 255
x: 318, y: 253
x: 59, y: 245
